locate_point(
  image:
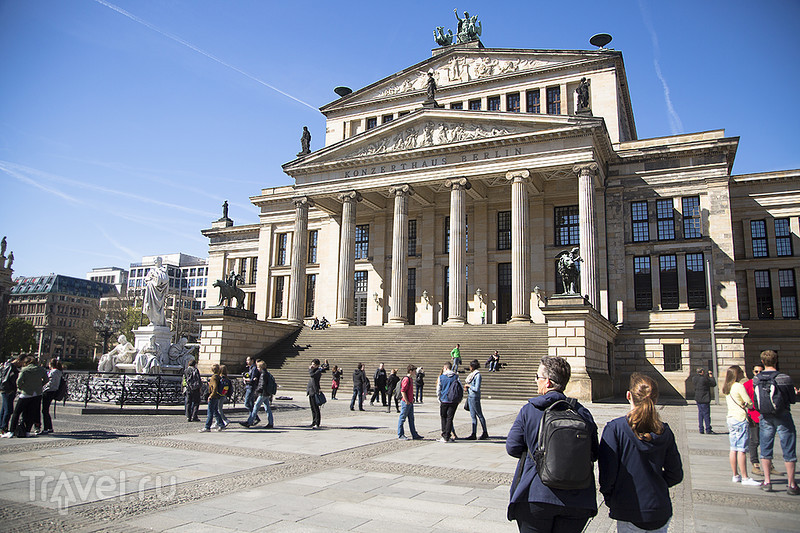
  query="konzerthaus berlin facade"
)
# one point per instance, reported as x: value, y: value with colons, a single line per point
x: 456, y: 213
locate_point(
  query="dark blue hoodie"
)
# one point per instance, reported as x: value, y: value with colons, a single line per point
x: 635, y: 475
x: 523, y: 434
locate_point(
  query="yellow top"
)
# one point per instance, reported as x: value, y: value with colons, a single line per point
x: 738, y: 400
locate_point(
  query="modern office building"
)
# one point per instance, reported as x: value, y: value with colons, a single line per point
x: 116, y: 276
x: 455, y: 210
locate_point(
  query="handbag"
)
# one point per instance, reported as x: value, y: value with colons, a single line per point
x: 320, y: 398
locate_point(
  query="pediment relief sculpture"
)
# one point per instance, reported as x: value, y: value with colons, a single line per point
x: 430, y: 134
x: 460, y: 69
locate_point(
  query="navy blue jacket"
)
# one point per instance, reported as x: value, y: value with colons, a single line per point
x: 635, y: 475
x: 522, y: 435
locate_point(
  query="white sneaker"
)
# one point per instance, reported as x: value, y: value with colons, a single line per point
x: 7, y: 435
x: 443, y: 440
x: 203, y: 430
x: 402, y: 437
x: 221, y: 428
x: 750, y: 482
x: 736, y: 479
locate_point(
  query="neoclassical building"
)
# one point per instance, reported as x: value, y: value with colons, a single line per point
x: 456, y: 211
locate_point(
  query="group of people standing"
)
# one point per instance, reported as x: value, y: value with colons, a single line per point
x: 34, y: 389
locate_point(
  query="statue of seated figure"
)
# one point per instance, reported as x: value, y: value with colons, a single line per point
x: 123, y: 353
x: 148, y: 360
x: 179, y: 354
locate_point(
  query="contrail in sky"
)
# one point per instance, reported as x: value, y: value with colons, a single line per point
x: 200, y: 51
x: 674, y: 120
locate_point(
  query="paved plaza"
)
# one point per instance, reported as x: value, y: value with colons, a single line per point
x: 134, y: 472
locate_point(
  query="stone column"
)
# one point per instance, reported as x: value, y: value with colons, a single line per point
x: 347, y: 259
x: 520, y: 247
x: 299, y: 256
x: 588, y: 245
x: 397, y: 311
x: 458, y: 251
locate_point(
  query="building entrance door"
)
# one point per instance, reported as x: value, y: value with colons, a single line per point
x: 360, y: 303
x: 503, y: 292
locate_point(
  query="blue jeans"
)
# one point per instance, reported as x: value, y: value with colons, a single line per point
x: 455, y: 365
x: 249, y: 398
x: 476, y: 413
x: 704, y: 416
x: 213, y: 411
x: 784, y: 425
x: 360, y: 394
x: 406, y: 411
x: 262, y: 400
x: 8, y: 408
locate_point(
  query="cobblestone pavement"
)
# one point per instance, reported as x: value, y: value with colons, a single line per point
x: 112, y: 472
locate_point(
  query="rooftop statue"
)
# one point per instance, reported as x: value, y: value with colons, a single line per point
x: 3, y: 247
x: 583, y: 94
x: 225, y: 209
x: 431, y: 87
x: 442, y: 39
x: 10, y: 260
x: 469, y: 28
x: 305, y: 142
x: 155, y: 294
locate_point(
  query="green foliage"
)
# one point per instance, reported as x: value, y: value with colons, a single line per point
x: 20, y: 336
x: 131, y: 319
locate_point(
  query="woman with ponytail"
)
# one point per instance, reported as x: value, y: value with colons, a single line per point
x: 638, y: 462
x: 738, y: 429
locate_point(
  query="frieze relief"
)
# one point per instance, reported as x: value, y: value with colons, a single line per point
x: 461, y: 69
x: 430, y: 134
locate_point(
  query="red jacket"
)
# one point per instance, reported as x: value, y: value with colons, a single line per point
x: 748, y: 386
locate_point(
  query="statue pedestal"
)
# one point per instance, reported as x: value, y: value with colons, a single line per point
x: 161, y: 334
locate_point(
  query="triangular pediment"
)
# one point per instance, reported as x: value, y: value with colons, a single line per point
x: 463, y: 66
x: 439, y: 128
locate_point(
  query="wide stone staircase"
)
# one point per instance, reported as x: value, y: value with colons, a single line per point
x: 520, y: 348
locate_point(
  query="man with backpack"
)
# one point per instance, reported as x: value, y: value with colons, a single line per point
x: 192, y: 378
x: 406, y: 389
x: 450, y: 393
x: 773, y: 393
x: 555, y: 439
x: 251, y: 377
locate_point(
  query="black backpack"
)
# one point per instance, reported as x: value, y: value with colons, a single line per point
x: 225, y: 387
x: 563, y: 453
x: 767, y: 397
x: 271, y: 385
x: 61, y: 393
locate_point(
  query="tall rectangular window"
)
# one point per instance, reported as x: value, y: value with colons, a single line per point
x: 412, y: 237
x: 372, y: 122
x: 566, y: 225
x: 695, y: 281
x: 691, y: 217
x: 642, y: 283
x: 493, y: 103
x: 783, y: 237
x: 457, y: 105
x: 641, y: 222
x: 242, y: 266
x: 504, y: 230
x: 763, y: 294
x: 532, y: 101
x: 665, y: 217
x: 758, y: 232
x: 512, y: 102
x: 362, y: 241
x: 280, y: 259
x: 311, y: 285
x: 361, y: 281
x: 668, y: 276
x: 313, y: 238
x: 554, y: 100
x: 253, y: 269
x: 411, y: 295
x: 277, y: 308
x: 672, y: 357
x: 475, y: 105
x: 447, y: 235
x: 788, y: 293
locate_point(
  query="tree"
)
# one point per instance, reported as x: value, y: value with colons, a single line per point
x: 20, y: 336
x: 131, y: 320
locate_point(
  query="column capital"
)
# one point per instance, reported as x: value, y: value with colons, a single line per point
x: 586, y: 169
x: 458, y: 184
x: 401, y: 190
x: 518, y: 175
x: 302, y: 201
x: 349, y: 197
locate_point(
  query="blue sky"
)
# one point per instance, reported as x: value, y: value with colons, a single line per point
x: 125, y: 124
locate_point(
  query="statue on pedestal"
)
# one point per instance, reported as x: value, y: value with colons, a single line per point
x: 469, y: 28
x: 3, y: 245
x: 305, y: 142
x: 148, y: 361
x: 569, y: 270
x: 228, y: 290
x: 179, y: 354
x: 583, y: 94
x: 224, y: 210
x: 442, y: 39
x: 155, y: 294
x: 124, y: 353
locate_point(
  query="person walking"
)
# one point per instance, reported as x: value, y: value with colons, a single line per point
x: 8, y: 385
x: 407, y: 405
x: 473, y: 385
x: 455, y: 356
x: 419, y: 381
x: 391, y: 385
x: 226, y: 391
x: 703, y: 381
x: 49, y: 392
x: 380, y: 385
x: 447, y: 405
x: 336, y: 374
x: 315, y: 371
x: 30, y: 383
x: 192, y: 377
x: 535, y: 506
x: 738, y: 403
x: 360, y: 387
x: 638, y: 462
x: 213, y: 402
x: 251, y: 377
x: 263, y: 397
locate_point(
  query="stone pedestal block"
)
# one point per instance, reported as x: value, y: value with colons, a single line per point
x: 161, y: 334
